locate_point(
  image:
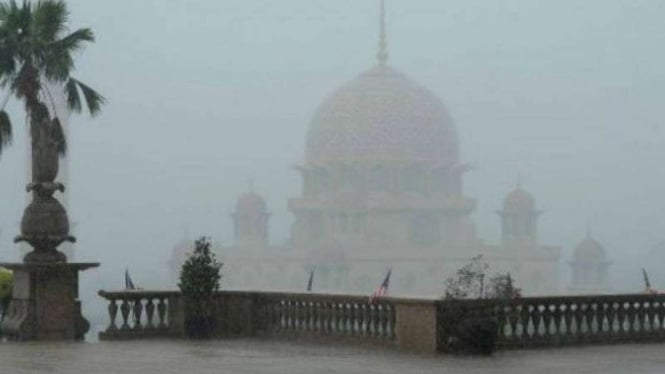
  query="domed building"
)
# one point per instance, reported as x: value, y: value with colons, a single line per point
x: 382, y: 188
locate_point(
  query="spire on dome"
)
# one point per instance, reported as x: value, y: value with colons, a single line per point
x: 382, y: 55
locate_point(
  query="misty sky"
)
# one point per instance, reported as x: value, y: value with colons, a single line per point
x: 204, y: 95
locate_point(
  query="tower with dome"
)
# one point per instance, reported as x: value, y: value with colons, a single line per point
x: 383, y: 188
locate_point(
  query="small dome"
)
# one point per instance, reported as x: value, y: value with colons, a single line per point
x: 519, y: 200
x: 179, y: 253
x: 382, y: 115
x: 589, y: 250
x: 250, y: 203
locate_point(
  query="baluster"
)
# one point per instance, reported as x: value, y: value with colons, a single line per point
x: 556, y: 317
x: 641, y: 312
x: 547, y: 321
x: 334, y: 318
x: 365, y: 325
x: 630, y: 314
x: 588, y: 317
x: 282, y: 312
x: 525, y: 318
x: 621, y: 318
x: 311, y: 317
x: 601, y: 312
x: 568, y: 319
x: 150, y: 310
x: 373, y: 324
x: 513, y: 319
x: 113, y: 312
x: 161, y: 313
x: 357, y: 319
x: 660, y: 316
x: 137, y: 311
x: 390, y: 321
x: 651, y: 311
x: 298, y: 317
x: 316, y: 315
x: 348, y: 318
x: 124, y: 311
x: 611, y: 318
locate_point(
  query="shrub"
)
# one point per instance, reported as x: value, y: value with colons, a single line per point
x: 199, y: 281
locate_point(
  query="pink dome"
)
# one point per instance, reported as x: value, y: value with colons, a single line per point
x: 519, y: 200
x: 251, y: 204
x: 382, y: 115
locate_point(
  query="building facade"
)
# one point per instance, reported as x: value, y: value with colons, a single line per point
x: 383, y: 188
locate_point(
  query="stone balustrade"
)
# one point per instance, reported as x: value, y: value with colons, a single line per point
x: 559, y: 321
x: 141, y: 314
x: 331, y: 315
x: 410, y: 324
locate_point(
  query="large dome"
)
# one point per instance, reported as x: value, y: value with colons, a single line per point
x: 382, y: 115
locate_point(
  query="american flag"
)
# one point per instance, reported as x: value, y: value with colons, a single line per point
x: 382, y: 290
x: 311, y: 279
x: 129, y: 285
x: 647, y: 285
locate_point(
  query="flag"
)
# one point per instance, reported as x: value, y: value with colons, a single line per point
x: 309, y: 283
x: 382, y: 290
x: 647, y: 285
x: 129, y: 285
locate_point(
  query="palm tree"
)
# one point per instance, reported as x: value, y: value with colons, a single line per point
x: 36, y: 52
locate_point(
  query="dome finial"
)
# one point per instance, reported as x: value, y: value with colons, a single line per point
x: 588, y: 230
x: 250, y: 184
x: 382, y: 55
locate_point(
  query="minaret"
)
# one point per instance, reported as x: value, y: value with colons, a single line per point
x: 382, y: 54
x: 589, y: 267
x: 519, y: 218
x: 250, y: 220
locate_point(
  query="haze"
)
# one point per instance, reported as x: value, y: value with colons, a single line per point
x: 205, y: 95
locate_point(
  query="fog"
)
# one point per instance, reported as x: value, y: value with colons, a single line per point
x: 205, y: 95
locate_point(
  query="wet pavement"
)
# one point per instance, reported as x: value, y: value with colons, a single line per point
x: 259, y: 356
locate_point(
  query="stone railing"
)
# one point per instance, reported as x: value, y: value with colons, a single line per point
x: 558, y: 321
x: 331, y: 315
x: 141, y: 314
x: 409, y: 324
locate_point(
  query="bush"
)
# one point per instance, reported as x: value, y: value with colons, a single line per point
x: 470, y: 331
x: 199, y: 281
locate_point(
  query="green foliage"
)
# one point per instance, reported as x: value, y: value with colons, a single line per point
x: 199, y: 279
x: 469, y: 282
x: 6, y: 281
x: 36, y: 51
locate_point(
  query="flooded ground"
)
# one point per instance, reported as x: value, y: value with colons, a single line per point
x: 257, y: 357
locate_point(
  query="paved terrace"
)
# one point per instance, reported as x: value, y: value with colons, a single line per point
x: 258, y: 356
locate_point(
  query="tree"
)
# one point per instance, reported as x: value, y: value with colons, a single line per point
x: 199, y: 281
x: 469, y: 280
x: 36, y: 52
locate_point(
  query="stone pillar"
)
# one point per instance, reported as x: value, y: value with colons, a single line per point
x: 45, y: 303
x: 415, y: 325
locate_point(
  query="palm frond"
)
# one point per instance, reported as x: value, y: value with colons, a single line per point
x: 73, y: 96
x: 5, y: 130
x: 58, y: 62
x: 49, y: 20
x: 58, y: 136
x: 93, y: 100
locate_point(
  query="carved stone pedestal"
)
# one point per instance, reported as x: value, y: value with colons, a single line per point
x: 45, y: 304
